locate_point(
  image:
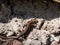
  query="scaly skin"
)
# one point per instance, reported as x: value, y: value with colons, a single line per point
x: 26, y: 26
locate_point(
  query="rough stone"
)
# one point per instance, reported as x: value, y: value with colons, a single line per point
x: 51, y: 25
x: 38, y: 35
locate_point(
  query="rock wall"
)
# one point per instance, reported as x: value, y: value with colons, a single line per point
x: 31, y: 22
x: 28, y: 9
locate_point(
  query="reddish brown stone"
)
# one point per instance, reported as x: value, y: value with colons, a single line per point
x: 55, y: 43
x: 14, y: 42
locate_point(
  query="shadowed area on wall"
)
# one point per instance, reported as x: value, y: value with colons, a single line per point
x: 28, y: 9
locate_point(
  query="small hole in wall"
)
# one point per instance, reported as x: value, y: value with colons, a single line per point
x: 36, y: 39
x: 16, y: 21
x: 19, y: 25
x: 59, y: 28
